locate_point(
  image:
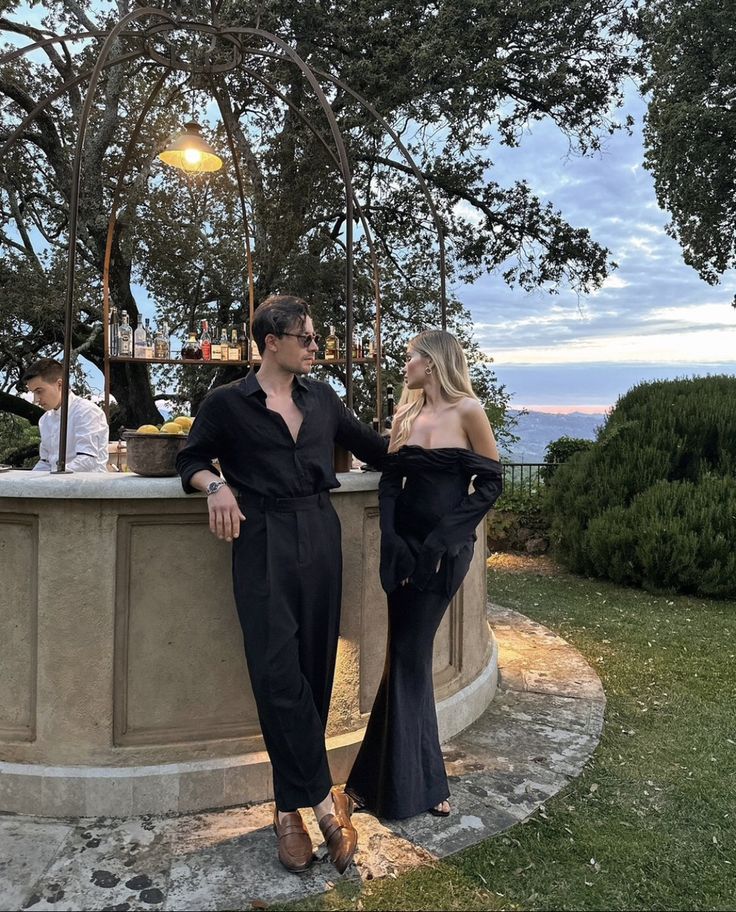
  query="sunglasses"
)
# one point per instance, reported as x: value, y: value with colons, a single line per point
x: 306, y: 339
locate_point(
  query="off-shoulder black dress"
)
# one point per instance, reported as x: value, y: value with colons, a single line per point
x: 427, y: 518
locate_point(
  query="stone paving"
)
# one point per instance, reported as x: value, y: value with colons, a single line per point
x: 538, y: 733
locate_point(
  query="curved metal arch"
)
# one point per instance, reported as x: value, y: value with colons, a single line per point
x: 112, y: 221
x: 409, y: 160
x: 244, y: 215
x: 37, y: 45
x: 346, y: 177
x: 341, y: 159
x: 183, y: 65
x: 254, y: 74
x: 419, y: 176
x: 74, y: 212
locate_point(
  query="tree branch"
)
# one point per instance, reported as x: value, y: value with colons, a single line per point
x: 20, y: 225
x: 48, y: 139
x: 20, y: 407
x: 80, y: 15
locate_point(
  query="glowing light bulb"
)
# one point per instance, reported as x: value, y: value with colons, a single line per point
x: 190, y: 152
x: 192, y: 157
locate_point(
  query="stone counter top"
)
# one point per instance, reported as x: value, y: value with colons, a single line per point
x: 128, y: 485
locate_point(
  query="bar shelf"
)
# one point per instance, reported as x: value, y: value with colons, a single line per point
x: 118, y: 359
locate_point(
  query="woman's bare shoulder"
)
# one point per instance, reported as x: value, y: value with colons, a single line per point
x: 468, y: 405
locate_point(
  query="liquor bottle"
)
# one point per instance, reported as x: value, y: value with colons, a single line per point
x: 233, y: 351
x: 160, y: 352
x: 356, y: 346
x: 205, y: 341
x: 139, y: 340
x: 125, y: 335
x: 224, y: 346
x: 191, y: 350
x: 255, y: 355
x: 242, y: 343
x: 332, y: 346
x: 372, y: 348
x: 216, y: 348
x: 167, y: 340
x: 149, y: 339
x: 113, y: 338
x: 389, y: 407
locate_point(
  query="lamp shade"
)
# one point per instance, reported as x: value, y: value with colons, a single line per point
x: 191, y: 152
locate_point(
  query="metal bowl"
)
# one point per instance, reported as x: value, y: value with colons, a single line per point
x: 153, y: 455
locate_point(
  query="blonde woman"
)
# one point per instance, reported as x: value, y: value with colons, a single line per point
x: 440, y: 440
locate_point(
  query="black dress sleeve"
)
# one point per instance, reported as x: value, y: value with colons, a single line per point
x: 397, y: 560
x: 458, y: 526
x: 205, y: 443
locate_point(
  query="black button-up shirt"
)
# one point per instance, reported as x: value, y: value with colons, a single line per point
x: 254, y: 446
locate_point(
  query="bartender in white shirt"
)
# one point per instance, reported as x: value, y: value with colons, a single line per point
x: 87, y: 431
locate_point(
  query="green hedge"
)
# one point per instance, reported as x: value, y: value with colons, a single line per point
x: 561, y: 450
x: 653, y: 501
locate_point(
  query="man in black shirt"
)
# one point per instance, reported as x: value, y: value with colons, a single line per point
x: 273, y: 434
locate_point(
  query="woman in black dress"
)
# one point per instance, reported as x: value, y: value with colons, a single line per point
x: 440, y: 440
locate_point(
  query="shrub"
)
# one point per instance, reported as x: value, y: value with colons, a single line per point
x: 19, y: 440
x: 515, y: 519
x: 560, y: 450
x: 653, y: 501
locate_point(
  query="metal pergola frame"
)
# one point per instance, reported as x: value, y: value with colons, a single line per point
x: 244, y: 42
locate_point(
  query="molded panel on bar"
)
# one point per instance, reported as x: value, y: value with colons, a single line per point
x: 18, y: 627
x: 180, y: 672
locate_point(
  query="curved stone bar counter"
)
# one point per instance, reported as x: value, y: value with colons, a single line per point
x: 123, y: 685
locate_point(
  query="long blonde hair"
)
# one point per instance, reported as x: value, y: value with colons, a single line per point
x: 448, y: 362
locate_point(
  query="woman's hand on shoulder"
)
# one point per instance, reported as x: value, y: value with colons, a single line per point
x: 477, y: 428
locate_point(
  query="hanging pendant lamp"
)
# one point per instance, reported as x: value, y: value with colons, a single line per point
x: 191, y: 152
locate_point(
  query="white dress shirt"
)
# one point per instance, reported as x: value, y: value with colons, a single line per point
x: 86, y: 439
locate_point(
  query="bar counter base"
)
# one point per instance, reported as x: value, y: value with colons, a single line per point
x: 76, y: 791
x: 124, y: 689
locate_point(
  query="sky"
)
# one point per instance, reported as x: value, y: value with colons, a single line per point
x: 653, y: 318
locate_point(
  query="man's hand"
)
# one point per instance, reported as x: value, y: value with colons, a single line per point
x: 225, y: 515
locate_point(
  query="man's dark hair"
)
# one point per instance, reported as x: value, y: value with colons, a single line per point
x: 278, y: 314
x: 46, y: 368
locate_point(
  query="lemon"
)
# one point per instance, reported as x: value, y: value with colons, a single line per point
x: 147, y: 429
x: 184, y: 421
x: 171, y: 428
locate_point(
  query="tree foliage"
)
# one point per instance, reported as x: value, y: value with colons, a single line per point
x: 454, y: 93
x: 690, y: 131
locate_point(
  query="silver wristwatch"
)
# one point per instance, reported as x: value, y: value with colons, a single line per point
x: 214, y: 486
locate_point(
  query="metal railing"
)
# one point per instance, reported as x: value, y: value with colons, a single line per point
x: 525, y: 477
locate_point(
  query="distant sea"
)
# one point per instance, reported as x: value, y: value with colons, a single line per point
x: 536, y: 429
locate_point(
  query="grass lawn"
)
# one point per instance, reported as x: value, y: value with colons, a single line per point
x: 651, y: 823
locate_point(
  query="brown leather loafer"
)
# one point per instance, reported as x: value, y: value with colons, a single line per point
x: 340, y: 834
x: 296, y: 853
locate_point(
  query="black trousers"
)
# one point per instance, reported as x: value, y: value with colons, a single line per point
x: 287, y: 580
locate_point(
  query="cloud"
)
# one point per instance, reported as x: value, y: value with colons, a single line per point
x: 652, y: 309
